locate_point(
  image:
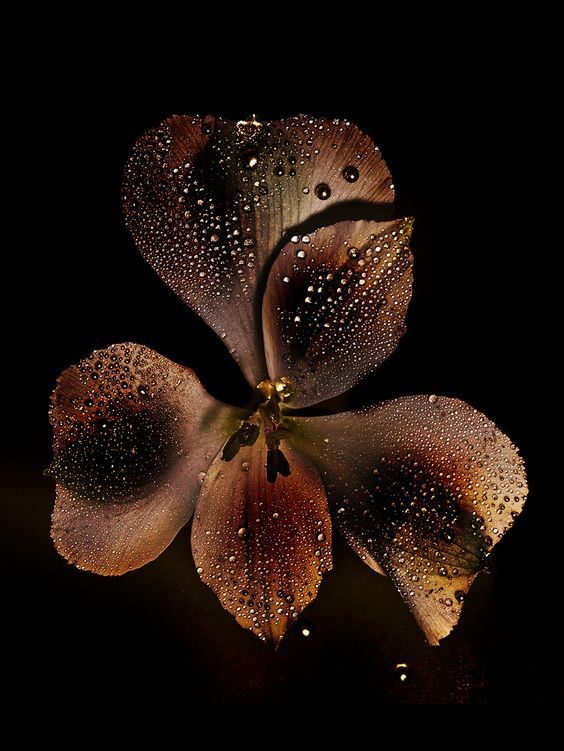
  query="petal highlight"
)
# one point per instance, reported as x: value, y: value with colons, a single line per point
x: 262, y: 547
x: 423, y: 487
x: 132, y: 431
x: 208, y: 200
x: 334, y: 307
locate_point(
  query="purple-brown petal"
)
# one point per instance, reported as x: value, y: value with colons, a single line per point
x: 422, y: 487
x: 208, y: 200
x: 262, y: 547
x: 334, y: 307
x: 132, y: 434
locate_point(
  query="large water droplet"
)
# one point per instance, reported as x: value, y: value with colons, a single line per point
x: 350, y: 174
x: 322, y: 191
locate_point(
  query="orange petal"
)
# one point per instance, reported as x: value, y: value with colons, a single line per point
x: 423, y: 487
x: 132, y: 431
x: 335, y: 307
x: 208, y: 200
x: 262, y: 547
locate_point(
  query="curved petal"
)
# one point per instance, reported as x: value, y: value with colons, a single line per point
x: 262, y: 546
x: 132, y: 431
x: 334, y: 308
x: 423, y: 487
x: 207, y: 201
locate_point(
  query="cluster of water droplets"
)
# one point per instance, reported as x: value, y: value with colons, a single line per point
x: 342, y: 302
x: 262, y: 547
x: 113, y: 432
x: 433, y: 486
x: 208, y: 200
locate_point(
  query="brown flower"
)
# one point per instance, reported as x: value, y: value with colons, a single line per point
x: 421, y: 486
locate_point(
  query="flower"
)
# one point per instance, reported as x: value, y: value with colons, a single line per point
x: 422, y: 487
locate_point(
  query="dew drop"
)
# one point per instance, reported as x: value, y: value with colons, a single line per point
x: 401, y: 672
x: 301, y: 254
x: 350, y: 174
x: 305, y: 628
x: 433, y: 399
x: 242, y: 532
x: 322, y: 191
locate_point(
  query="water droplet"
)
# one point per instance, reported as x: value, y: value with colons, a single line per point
x: 350, y: 174
x: 459, y: 594
x: 245, y: 466
x: 401, y: 671
x: 286, y: 279
x: 295, y: 239
x: 322, y: 191
x: 199, y: 570
x: 301, y: 254
x: 201, y: 477
x: 242, y: 532
x: 305, y: 628
x: 433, y: 399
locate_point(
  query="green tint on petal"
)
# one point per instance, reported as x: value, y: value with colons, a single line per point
x: 422, y: 487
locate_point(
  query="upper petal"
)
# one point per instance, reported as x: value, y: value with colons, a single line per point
x: 263, y: 547
x: 207, y: 201
x: 423, y: 487
x: 132, y: 431
x: 335, y: 306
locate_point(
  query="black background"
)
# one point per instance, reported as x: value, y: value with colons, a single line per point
x: 463, y: 168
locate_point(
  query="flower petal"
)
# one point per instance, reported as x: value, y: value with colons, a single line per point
x: 334, y: 307
x: 262, y: 546
x: 131, y: 432
x: 423, y: 487
x: 208, y: 200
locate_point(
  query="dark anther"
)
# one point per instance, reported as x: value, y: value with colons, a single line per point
x: 245, y: 436
x: 231, y: 448
x: 276, y: 464
x: 248, y: 433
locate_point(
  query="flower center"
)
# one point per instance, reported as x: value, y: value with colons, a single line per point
x: 267, y: 419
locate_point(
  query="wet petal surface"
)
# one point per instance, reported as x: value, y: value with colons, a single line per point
x: 335, y: 306
x: 422, y: 487
x: 207, y: 201
x: 132, y: 431
x: 262, y: 546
